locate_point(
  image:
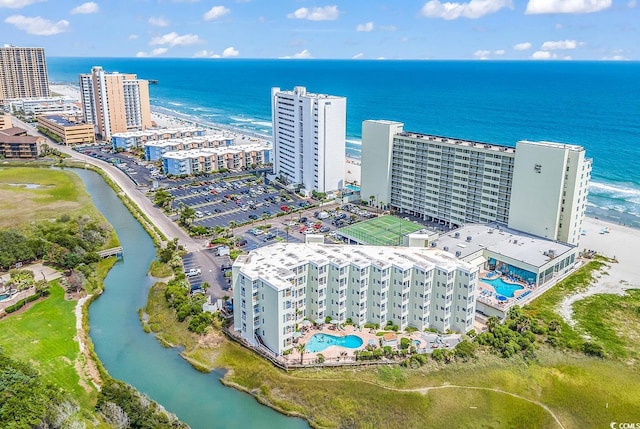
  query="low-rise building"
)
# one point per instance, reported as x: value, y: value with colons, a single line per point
x: 59, y: 105
x: 15, y: 143
x: 5, y: 121
x: 209, y: 160
x: 68, y: 128
x: 131, y: 139
x: 276, y: 287
x: 153, y: 150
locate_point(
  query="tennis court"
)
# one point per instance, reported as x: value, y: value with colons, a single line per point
x: 379, y: 231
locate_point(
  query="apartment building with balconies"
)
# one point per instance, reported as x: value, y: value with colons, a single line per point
x: 278, y: 286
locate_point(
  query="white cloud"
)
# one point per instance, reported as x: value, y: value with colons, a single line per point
x: 358, y: 56
x: 560, y: 44
x: 205, y: 54
x: 132, y: 36
x: 153, y: 53
x: 524, y: 46
x: 365, y: 27
x: 499, y: 52
x: 174, y: 39
x: 158, y: 21
x: 543, y: 55
x: 472, y: 10
x: 615, y: 58
x: 17, y: 4
x: 230, y: 52
x: 215, y: 13
x: 326, y: 13
x: 37, y: 25
x: 86, y: 8
x: 566, y: 6
x: 632, y: 3
x: 482, y: 54
x: 304, y: 54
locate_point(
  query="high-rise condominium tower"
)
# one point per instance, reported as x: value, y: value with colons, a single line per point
x: 23, y: 73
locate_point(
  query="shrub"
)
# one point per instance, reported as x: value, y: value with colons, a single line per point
x: 592, y: 349
x: 405, y: 343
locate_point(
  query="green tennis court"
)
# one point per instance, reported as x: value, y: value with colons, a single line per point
x: 380, y: 231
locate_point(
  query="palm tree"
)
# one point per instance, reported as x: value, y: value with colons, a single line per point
x: 232, y: 225
x: 301, y: 349
x: 264, y: 218
x: 372, y: 198
x: 287, y: 229
x: 492, y: 323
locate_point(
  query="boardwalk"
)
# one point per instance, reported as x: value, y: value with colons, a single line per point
x: 114, y: 251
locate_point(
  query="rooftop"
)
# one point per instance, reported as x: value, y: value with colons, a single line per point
x: 186, y: 140
x: 61, y: 120
x: 157, y: 132
x: 454, y: 141
x: 530, y: 249
x: 221, y: 150
x: 275, y: 263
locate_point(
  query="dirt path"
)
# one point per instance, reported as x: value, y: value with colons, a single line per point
x: 85, y: 366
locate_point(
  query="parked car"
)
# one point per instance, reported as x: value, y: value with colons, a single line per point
x: 242, y: 243
x: 269, y: 236
x: 253, y: 216
x: 324, y: 229
x: 193, y: 272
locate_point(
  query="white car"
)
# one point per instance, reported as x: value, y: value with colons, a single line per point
x: 193, y: 272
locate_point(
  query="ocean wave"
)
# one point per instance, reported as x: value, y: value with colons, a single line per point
x: 354, y: 141
x: 262, y: 123
x: 606, y: 188
x: 173, y: 103
x: 238, y: 119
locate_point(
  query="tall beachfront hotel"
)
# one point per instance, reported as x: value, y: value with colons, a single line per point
x: 278, y: 286
x: 537, y: 187
x: 114, y: 102
x: 23, y: 73
x: 309, y: 138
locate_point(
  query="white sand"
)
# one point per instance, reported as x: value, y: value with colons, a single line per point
x: 66, y: 90
x: 352, y: 171
x: 621, y: 243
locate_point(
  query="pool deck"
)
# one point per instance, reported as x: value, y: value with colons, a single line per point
x: 427, y: 342
x: 486, y: 294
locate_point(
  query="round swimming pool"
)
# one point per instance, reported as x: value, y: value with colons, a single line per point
x: 503, y: 288
x: 319, y: 342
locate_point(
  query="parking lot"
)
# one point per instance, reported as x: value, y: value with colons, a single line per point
x: 240, y: 200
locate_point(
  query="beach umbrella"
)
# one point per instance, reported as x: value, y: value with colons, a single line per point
x: 297, y: 334
x: 305, y: 322
x: 335, y: 322
x: 319, y: 321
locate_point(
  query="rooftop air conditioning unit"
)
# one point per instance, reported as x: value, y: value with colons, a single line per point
x: 469, y: 238
x: 456, y: 235
x: 446, y: 248
x: 458, y: 253
x: 434, y: 243
x: 515, y: 241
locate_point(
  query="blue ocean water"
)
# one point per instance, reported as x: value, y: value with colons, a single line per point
x: 593, y: 104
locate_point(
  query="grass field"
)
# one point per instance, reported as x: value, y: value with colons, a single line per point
x: 44, y: 336
x: 380, y: 231
x: 57, y: 192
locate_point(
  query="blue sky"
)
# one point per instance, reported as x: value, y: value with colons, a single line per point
x: 369, y: 29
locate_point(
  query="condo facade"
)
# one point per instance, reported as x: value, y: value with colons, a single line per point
x: 210, y: 160
x: 44, y: 106
x: 276, y: 287
x: 115, y: 102
x: 23, y: 73
x: 138, y: 139
x: 309, y: 139
x: 536, y: 187
x: 153, y: 150
x: 16, y: 143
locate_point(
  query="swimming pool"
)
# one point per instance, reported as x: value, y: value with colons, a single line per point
x: 4, y: 296
x: 319, y: 342
x: 503, y: 288
x: 354, y: 188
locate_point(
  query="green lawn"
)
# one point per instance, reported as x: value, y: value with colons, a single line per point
x: 44, y: 336
x: 381, y: 231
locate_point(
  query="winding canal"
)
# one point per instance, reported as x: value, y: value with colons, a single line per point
x: 129, y: 354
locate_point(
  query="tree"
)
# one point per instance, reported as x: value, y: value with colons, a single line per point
x: 232, y: 225
x: 186, y: 215
x: 114, y: 415
x: 75, y: 280
x: 287, y: 229
x: 163, y: 198
x: 492, y: 323
x: 372, y: 198
x: 301, y: 349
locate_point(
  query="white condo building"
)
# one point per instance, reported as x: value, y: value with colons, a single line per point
x: 537, y: 187
x: 278, y: 286
x: 309, y: 138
